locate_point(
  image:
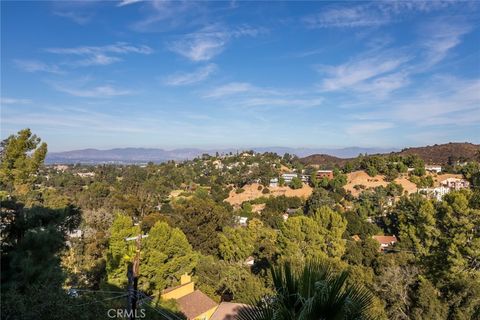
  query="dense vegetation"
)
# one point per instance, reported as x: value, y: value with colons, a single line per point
x: 64, y: 228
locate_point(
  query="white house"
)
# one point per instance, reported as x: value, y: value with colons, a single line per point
x: 436, y: 193
x: 288, y: 177
x: 241, y: 221
x: 250, y: 261
x: 274, y: 182
x: 433, y: 168
x: 86, y: 174
x: 455, y: 183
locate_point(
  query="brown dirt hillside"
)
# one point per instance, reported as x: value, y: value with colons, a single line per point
x: 362, y: 178
x: 442, y: 153
x: 324, y: 160
x: 251, y: 192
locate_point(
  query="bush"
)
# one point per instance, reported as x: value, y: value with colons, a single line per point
x: 239, y: 190
x: 259, y: 188
x: 265, y: 191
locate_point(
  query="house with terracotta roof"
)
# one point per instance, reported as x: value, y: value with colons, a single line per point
x: 385, y: 241
x: 194, y: 304
x: 324, y: 174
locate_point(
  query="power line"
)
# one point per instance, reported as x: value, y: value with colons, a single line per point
x: 98, y: 301
x: 161, y: 312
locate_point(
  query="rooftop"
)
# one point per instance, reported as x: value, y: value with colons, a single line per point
x: 194, y: 304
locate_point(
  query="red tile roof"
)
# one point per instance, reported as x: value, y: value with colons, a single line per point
x: 194, y: 304
x: 385, y: 239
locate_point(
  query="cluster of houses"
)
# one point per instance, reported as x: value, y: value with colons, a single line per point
x: 288, y: 177
x: 445, y: 187
x: 196, y: 305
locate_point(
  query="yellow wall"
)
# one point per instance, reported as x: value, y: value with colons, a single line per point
x: 179, y: 292
x: 206, y: 315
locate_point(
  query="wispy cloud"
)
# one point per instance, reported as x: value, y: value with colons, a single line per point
x: 370, y: 14
x: 444, y: 100
x: 162, y: 15
x: 357, y: 71
x: 383, y: 86
x: 230, y: 89
x: 77, y: 17
x: 200, y: 74
x: 445, y: 97
x: 355, y: 16
x: 101, y: 55
x: 282, y: 102
x: 103, y: 91
x: 440, y: 36
x: 7, y: 100
x: 243, y: 94
x: 37, y: 66
x: 80, y: 12
x: 123, y: 3
x: 368, y: 127
x: 210, y: 41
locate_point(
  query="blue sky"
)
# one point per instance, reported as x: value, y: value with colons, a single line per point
x: 174, y: 74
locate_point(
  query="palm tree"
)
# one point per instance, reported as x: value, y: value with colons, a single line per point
x: 313, y: 292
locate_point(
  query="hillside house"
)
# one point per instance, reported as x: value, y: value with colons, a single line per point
x: 324, y: 174
x: 385, y: 241
x: 217, y: 164
x: 273, y: 183
x: 61, y: 168
x: 250, y: 261
x: 455, y: 183
x: 241, y: 221
x: 288, y: 177
x: 433, y: 168
x: 436, y: 193
x: 86, y: 174
x: 194, y: 304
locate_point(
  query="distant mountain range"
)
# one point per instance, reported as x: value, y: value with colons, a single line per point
x: 437, y: 154
x: 143, y: 155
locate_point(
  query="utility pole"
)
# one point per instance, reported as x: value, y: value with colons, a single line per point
x: 133, y: 272
x: 130, y: 308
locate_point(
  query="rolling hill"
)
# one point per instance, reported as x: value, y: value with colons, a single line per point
x: 437, y: 154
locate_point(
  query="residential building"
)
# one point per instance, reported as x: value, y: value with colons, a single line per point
x: 228, y: 311
x: 86, y: 174
x: 273, y: 183
x: 455, y: 183
x: 385, y: 241
x: 61, y: 167
x: 288, y: 177
x: 194, y: 304
x: 433, y: 168
x: 250, y: 261
x: 218, y: 164
x: 436, y: 193
x: 241, y: 221
x: 324, y: 174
